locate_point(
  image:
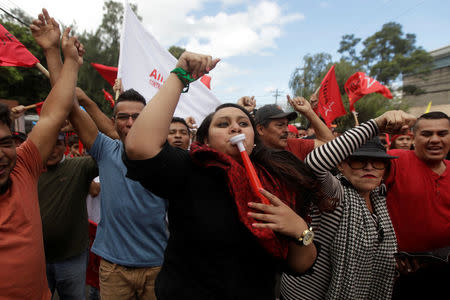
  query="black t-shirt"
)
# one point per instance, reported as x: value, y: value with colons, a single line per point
x: 62, y: 200
x: 210, y: 253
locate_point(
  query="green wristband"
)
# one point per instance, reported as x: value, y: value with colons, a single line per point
x: 184, y: 77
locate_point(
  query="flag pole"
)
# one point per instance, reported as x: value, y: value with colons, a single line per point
x: 318, y: 89
x: 29, y: 106
x: 43, y: 70
x: 355, y: 115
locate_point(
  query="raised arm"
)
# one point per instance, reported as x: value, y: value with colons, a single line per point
x: 154, y: 120
x: 103, y: 123
x: 323, y: 133
x: 60, y: 100
x: 329, y: 155
x: 46, y: 32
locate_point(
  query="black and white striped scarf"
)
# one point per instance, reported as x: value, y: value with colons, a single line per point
x: 362, y: 254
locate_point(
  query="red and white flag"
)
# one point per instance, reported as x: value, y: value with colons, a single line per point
x: 330, y: 102
x: 144, y: 65
x: 13, y: 53
x: 359, y: 84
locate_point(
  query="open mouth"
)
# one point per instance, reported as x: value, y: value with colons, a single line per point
x: 434, y: 150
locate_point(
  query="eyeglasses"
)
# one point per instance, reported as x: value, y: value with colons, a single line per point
x: 357, y: 164
x: 125, y: 117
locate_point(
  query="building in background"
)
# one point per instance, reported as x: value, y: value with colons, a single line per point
x: 436, y: 86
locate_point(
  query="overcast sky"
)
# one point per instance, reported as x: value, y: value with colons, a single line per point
x: 261, y: 42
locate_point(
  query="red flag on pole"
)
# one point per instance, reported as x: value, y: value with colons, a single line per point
x: 108, y: 73
x: 330, y: 102
x: 206, y: 80
x: 359, y: 84
x: 109, y: 98
x: 39, y: 107
x: 13, y: 53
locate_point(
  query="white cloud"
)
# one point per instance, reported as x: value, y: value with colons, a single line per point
x: 269, y: 89
x: 236, y: 27
x: 251, y: 30
x: 224, y: 71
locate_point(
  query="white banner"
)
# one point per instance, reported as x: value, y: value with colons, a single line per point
x: 144, y: 65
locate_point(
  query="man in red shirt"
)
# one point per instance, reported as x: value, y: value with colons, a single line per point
x: 419, y: 202
x: 23, y: 270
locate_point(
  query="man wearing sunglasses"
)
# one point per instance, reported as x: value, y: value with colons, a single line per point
x: 132, y: 235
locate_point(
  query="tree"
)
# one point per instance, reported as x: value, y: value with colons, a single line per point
x: 305, y: 80
x: 348, y: 44
x: 389, y: 53
x: 102, y: 46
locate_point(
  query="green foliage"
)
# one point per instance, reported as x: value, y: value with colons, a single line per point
x: 389, y: 53
x: 176, y: 51
x: 304, y: 81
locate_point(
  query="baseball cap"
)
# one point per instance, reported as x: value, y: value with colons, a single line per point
x: 272, y: 111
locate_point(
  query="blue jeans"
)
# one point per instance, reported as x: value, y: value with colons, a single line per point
x: 68, y: 277
x: 94, y: 293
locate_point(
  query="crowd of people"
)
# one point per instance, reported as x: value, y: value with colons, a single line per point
x: 347, y: 217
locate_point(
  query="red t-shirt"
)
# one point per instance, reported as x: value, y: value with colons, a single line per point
x: 419, y: 203
x: 300, y: 147
x: 22, y: 267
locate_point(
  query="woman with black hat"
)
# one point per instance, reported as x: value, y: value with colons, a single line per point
x: 356, y: 238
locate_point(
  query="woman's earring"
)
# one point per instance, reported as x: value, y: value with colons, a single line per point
x: 254, y: 145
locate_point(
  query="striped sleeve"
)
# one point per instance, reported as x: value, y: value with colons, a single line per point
x: 326, y: 157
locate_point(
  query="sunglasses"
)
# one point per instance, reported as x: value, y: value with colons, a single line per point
x: 125, y: 117
x: 357, y: 164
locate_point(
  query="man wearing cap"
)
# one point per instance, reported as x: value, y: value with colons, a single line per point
x: 272, y: 125
x: 62, y: 201
x: 418, y: 200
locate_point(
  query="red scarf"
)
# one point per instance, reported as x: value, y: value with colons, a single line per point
x: 241, y: 191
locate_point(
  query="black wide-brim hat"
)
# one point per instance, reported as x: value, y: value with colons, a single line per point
x: 272, y: 111
x: 372, y: 149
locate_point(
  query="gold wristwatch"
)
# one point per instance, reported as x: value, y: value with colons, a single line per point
x: 306, y: 238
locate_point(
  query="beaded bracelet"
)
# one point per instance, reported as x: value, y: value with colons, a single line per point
x: 184, y: 77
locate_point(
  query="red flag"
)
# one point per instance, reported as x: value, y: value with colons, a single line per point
x: 39, y: 107
x: 108, y: 98
x: 13, y: 53
x: 359, y: 84
x: 330, y: 102
x: 206, y: 81
x: 94, y: 260
x: 108, y: 73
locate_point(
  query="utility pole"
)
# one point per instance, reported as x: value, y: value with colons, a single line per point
x: 276, y: 94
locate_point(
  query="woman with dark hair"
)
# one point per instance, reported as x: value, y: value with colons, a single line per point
x: 224, y: 243
x: 357, y: 239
